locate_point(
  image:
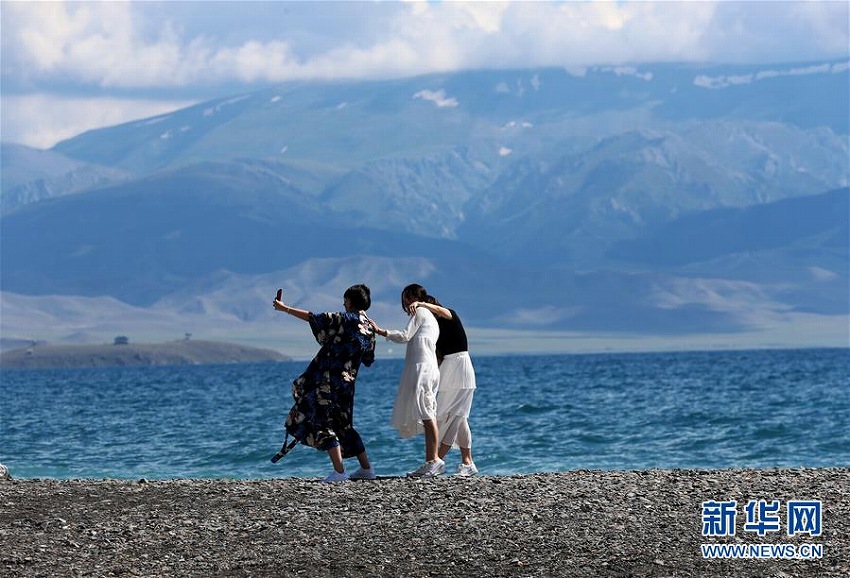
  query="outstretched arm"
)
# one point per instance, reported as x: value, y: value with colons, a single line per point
x: 301, y: 314
x: 437, y: 310
x: 378, y: 330
x: 400, y: 336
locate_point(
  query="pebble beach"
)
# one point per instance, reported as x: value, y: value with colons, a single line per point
x: 578, y: 523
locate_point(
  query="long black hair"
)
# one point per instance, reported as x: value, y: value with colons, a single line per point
x: 416, y: 292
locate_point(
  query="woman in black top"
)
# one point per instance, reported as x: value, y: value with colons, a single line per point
x: 457, y: 386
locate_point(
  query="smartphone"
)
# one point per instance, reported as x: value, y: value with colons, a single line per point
x: 279, y: 294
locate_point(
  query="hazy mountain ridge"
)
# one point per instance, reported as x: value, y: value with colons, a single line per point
x: 143, y: 239
x: 31, y: 175
x: 630, y: 183
x: 528, y: 199
x: 349, y: 123
x: 426, y: 196
x: 724, y: 231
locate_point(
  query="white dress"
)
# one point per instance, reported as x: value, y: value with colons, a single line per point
x: 416, y: 399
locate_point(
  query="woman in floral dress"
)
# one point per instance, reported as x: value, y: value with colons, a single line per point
x: 323, y: 414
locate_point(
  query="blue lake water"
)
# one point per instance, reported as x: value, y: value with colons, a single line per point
x: 775, y: 408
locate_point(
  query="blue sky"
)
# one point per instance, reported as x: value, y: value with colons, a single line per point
x: 68, y: 67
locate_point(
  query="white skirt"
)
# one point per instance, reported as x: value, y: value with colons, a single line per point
x: 416, y: 398
x: 457, y: 386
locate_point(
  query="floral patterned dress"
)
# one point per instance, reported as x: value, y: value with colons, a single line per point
x: 323, y: 414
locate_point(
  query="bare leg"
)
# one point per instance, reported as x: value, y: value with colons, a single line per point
x: 444, y: 449
x: 431, y: 436
x: 466, y: 455
x: 364, y: 461
x: 335, y: 453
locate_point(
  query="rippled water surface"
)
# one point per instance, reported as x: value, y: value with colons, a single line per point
x: 531, y: 414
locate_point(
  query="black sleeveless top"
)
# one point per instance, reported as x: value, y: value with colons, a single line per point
x: 452, y: 335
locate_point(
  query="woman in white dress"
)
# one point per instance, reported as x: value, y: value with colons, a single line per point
x: 415, y: 407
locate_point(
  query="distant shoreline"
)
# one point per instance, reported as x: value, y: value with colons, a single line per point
x: 49, y: 356
x: 580, y: 523
x: 180, y: 352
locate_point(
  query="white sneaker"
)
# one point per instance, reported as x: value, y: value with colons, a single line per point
x: 429, y: 469
x: 466, y: 470
x: 362, y: 474
x: 335, y: 478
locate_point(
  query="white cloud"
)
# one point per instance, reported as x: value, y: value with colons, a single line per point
x: 42, y: 120
x: 130, y: 44
x: 89, y: 42
x: 120, y: 47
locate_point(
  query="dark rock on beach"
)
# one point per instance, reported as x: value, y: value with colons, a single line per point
x: 182, y: 352
x: 582, y: 523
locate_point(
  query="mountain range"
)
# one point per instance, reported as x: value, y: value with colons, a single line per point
x: 650, y: 206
